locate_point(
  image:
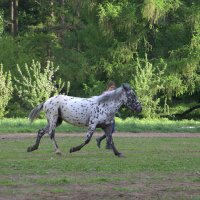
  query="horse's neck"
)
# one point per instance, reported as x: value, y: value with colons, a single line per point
x: 118, y: 103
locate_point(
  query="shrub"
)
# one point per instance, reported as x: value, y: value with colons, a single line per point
x: 6, y: 90
x: 38, y: 84
x: 148, y: 83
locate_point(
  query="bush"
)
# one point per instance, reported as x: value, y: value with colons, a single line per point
x: 38, y: 84
x: 6, y: 90
x: 148, y: 83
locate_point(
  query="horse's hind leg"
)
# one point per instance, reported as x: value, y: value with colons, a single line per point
x: 55, y: 121
x: 40, y: 134
x: 52, y: 136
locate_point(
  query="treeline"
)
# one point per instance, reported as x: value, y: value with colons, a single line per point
x: 152, y: 44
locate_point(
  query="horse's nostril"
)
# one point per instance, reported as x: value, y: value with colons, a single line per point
x: 139, y: 109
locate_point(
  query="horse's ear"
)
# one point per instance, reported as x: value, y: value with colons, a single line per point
x: 126, y: 86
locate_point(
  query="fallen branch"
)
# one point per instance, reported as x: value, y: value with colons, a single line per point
x: 181, y: 115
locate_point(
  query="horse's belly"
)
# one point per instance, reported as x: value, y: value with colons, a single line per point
x: 75, y: 122
x: 75, y: 118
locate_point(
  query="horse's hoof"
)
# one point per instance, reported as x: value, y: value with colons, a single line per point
x: 32, y: 148
x: 121, y: 155
x: 71, y: 150
x: 58, y: 153
x: 29, y: 149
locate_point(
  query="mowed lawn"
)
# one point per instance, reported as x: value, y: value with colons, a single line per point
x: 154, y: 168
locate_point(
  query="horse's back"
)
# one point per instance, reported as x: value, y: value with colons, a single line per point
x: 76, y: 110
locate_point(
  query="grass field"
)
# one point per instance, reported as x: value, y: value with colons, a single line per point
x: 128, y: 125
x: 154, y: 168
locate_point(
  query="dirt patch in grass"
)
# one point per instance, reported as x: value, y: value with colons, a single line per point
x: 131, y: 186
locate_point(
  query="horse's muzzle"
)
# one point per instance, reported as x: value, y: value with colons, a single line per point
x: 138, y: 109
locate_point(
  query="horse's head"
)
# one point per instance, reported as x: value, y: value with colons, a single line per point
x: 132, y: 100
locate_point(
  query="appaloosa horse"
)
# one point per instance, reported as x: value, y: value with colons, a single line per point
x: 94, y: 112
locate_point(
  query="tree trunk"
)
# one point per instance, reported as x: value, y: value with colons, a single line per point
x: 14, y: 18
x: 62, y: 5
x: 62, y: 22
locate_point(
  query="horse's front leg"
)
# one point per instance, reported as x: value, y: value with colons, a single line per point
x: 90, y: 132
x: 108, y: 132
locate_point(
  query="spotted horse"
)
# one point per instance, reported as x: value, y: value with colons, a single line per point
x: 94, y: 112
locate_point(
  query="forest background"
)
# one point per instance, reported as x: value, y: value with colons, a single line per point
x: 152, y: 44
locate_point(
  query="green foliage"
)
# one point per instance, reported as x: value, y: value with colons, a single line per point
x: 8, y: 49
x: 97, y: 41
x: 184, y: 59
x: 174, y: 86
x: 38, y: 84
x: 117, y: 17
x: 153, y: 10
x: 107, y: 14
x: 94, y: 88
x: 22, y: 51
x: 148, y: 83
x: 6, y: 90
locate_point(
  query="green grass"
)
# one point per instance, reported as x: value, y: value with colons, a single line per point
x: 167, y: 165
x: 128, y: 125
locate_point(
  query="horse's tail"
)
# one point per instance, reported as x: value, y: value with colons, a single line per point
x: 35, y: 112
